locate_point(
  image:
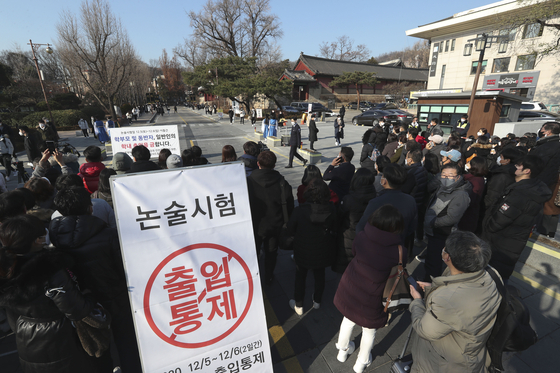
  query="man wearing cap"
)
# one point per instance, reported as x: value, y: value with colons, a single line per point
x: 174, y: 161
x: 451, y: 156
x: 435, y: 145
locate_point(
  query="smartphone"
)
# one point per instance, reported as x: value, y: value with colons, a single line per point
x: 50, y: 146
x: 413, y: 282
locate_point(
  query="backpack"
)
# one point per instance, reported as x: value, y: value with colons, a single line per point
x: 374, y: 153
x: 511, y: 331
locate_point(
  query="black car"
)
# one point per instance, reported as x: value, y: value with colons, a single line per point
x: 364, y: 105
x: 404, y: 116
x: 384, y: 106
x: 371, y: 118
x: 290, y: 110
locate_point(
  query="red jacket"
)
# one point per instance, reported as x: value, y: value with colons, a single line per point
x: 90, y: 173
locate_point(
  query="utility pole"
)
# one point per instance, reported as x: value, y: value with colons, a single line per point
x: 49, y: 51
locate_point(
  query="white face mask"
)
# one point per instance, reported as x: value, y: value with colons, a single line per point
x: 20, y: 133
x: 406, y: 161
x: 499, y: 160
x: 462, y: 120
x: 42, y: 126
x: 479, y: 133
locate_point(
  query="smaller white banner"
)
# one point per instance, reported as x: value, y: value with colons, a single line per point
x: 154, y: 138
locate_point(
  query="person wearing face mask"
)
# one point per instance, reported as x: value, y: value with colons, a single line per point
x: 434, y: 128
x: 500, y: 175
x: 548, y: 149
x: 30, y: 143
x: 511, y: 218
x: 414, y: 123
x: 462, y: 126
x: 445, y: 210
x: 46, y: 131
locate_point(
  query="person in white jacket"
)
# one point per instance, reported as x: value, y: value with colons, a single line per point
x: 83, y: 126
x: 7, y: 149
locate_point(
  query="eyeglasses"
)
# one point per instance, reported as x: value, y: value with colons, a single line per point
x: 449, y: 176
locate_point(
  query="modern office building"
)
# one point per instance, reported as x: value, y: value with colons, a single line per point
x: 509, y: 64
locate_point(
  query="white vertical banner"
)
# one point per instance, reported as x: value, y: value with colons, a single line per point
x: 154, y: 138
x: 192, y: 271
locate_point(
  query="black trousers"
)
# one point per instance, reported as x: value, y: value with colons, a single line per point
x: 85, y: 132
x: 7, y: 162
x: 269, y: 245
x: 299, y: 287
x: 294, y: 153
x: 311, y: 144
x: 434, y: 264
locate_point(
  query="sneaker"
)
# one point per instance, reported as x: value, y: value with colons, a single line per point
x: 298, y: 310
x: 315, y: 304
x: 360, y: 367
x: 421, y: 257
x: 343, y: 354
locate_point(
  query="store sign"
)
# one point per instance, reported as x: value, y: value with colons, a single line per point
x: 521, y: 80
x: 191, y: 265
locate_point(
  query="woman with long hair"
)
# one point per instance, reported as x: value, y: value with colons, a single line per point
x: 360, y: 291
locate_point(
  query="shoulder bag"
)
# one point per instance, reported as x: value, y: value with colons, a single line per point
x: 396, y: 295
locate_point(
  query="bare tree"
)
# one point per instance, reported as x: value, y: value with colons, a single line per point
x: 343, y: 49
x: 417, y: 56
x: 192, y: 53
x: 241, y: 28
x: 96, y: 46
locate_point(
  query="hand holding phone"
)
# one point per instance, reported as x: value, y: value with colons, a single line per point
x: 417, y: 287
x: 50, y: 146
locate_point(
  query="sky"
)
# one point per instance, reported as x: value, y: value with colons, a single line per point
x: 155, y: 25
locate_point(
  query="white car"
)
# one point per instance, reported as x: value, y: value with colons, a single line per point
x: 533, y: 106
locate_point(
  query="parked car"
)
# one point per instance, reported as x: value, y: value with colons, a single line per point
x: 371, y: 118
x: 526, y: 115
x: 384, y: 106
x: 533, y: 106
x: 290, y: 110
x: 364, y: 105
x: 404, y: 116
x: 301, y: 106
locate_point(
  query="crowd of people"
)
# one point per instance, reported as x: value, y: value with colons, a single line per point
x: 471, y: 201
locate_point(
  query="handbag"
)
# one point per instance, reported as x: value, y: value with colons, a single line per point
x: 285, y: 241
x: 94, y: 331
x: 396, y: 295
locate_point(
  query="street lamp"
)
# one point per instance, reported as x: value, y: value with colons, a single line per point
x: 217, y: 82
x: 49, y: 51
x: 481, y: 42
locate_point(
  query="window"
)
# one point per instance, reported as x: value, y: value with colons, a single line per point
x: 447, y: 45
x: 532, y: 30
x: 480, y: 42
x: 468, y: 50
x: 502, y: 47
x: 501, y: 65
x: 526, y: 62
x: 505, y: 111
x: 475, y: 65
x: 507, y: 32
x: 452, y: 45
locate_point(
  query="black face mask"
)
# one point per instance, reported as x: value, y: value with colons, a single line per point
x: 540, y: 134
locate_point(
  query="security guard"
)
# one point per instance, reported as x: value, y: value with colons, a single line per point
x: 462, y: 126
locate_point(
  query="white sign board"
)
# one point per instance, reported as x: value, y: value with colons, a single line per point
x: 259, y: 113
x: 154, y: 138
x: 189, y: 255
